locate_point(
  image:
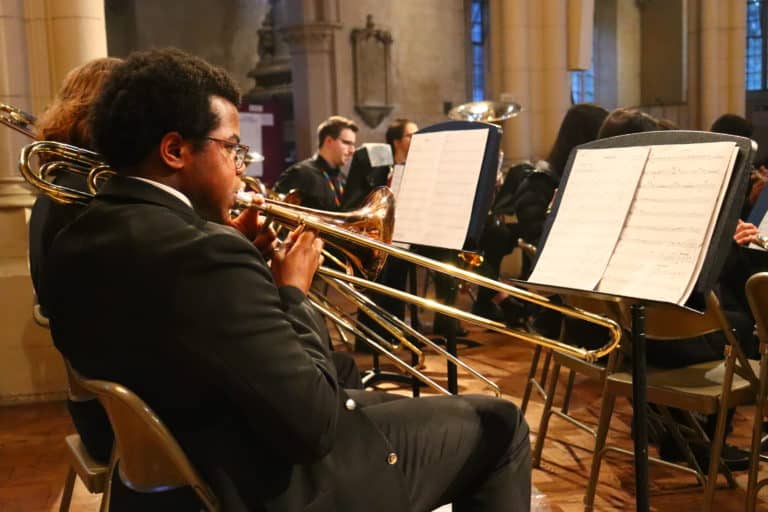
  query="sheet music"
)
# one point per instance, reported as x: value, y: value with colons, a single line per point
x: 661, y: 248
x: 396, y: 180
x: 437, y: 190
x: 590, y: 216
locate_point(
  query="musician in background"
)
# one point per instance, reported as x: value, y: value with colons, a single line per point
x: 527, y: 191
x: 395, y: 271
x: 154, y: 287
x: 318, y: 178
x: 398, y: 136
x: 66, y: 120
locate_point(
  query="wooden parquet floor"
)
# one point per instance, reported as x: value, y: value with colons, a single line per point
x: 33, y: 464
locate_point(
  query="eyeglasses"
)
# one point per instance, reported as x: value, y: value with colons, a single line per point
x: 239, y: 151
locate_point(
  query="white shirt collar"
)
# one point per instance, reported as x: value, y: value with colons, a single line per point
x: 166, y: 188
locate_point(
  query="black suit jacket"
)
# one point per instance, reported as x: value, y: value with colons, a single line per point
x: 307, y: 177
x: 184, y: 312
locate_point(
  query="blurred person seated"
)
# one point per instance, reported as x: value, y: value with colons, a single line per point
x: 526, y: 193
x: 319, y: 178
x: 66, y: 120
x: 395, y: 272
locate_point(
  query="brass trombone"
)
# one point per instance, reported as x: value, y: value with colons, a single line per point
x: 16, y: 119
x: 352, y: 231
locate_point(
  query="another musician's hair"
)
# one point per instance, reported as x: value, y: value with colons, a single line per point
x: 66, y: 118
x: 153, y: 93
x: 733, y: 125
x: 623, y: 121
x: 332, y: 128
x: 396, y: 130
x: 580, y: 125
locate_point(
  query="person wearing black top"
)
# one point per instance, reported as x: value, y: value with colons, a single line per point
x: 153, y: 286
x: 318, y: 178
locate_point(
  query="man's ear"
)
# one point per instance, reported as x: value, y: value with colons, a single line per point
x: 171, y: 150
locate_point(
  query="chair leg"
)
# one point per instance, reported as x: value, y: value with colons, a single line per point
x: 757, y: 430
x: 106, y: 496
x: 545, y: 415
x: 568, y: 390
x: 719, y: 437
x: 545, y: 368
x: 66, y: 495
x: 606, y: 411
x: 531, y: 377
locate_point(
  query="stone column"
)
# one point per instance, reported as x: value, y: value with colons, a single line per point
x: 529, y: 60
x: 722, y: 38
x: 515, y: 77
x: 550, y: 84
x: 42, y: 41
x: 314, y: 79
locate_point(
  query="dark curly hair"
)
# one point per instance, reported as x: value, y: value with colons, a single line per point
x: 153, y: 93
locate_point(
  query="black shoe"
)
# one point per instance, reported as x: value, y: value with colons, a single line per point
x: 488, y: 309
x: 514, y: 312
x: 441, y: 326
x: 764, y: 447
x: 734, y: 458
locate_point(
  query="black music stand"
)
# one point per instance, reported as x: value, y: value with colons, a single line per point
x: 483, y: 195
x: 715, y: 257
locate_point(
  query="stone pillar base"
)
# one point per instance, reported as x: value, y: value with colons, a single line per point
x: 31, y: 369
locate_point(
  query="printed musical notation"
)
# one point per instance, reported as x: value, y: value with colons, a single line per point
x: 590, y: 217
x: 664, y: 229
x: 436, y: 191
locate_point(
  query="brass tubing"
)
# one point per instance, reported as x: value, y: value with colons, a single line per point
x: 392, y: 356
x: 364, y: 302
x: 310, y: 220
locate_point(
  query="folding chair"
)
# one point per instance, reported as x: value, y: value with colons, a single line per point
x: 92, y: 472
x: 148, y: 457
x: 757, y: 295
x: 596, y: 371
x: 693, y: 388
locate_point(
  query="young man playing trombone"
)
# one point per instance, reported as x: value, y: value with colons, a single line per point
x: 153, y: 287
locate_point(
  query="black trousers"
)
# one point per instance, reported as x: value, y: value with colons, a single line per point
x: 472, y: 451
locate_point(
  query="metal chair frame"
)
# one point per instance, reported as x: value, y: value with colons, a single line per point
x: 147, y: 456
x: 92, y: 473
x: 670, y: 323
x: 550, y: 374
x: 757, y: 295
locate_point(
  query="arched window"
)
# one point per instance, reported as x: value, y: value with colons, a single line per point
x: 478, y: 29
x: 757, y: 16
x: 583, y: 85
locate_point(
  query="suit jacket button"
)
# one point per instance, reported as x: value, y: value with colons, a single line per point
x: 350, y: 404
x: 392, y: 459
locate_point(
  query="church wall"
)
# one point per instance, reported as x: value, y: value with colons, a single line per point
x: 222, y: 32
x: 428, y: 58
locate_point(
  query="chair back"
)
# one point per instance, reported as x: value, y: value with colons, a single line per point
x: 76, y: 392
x: 150, y: 459
x: 667, y: 322
x: 757, y: 296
